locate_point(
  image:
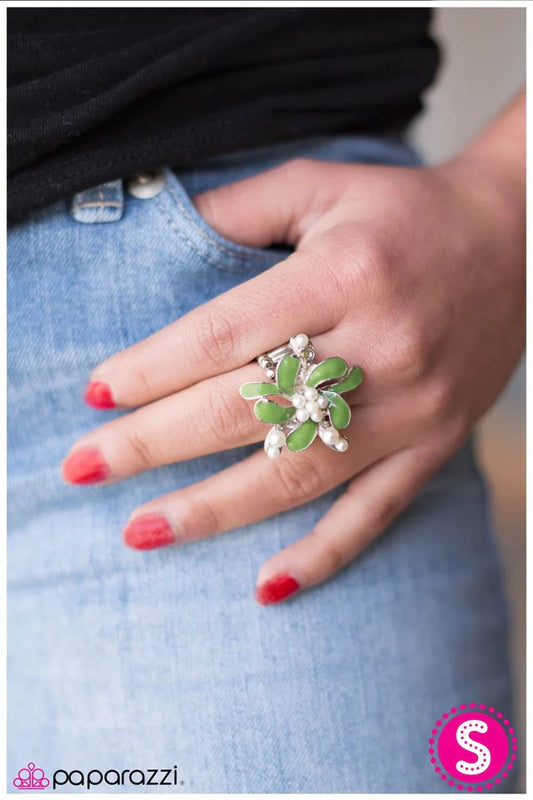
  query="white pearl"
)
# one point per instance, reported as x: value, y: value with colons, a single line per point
x: 273, y: 452
x: 298, y: 400
x: 276, y: 438
x: 317, y: 416
x: 302, y: 414
x: 342, y: 445
x: 330, y: 435
x: 300, y: 341
x: 310, y: 393
x: 322, y: 401
x: 311, y: 406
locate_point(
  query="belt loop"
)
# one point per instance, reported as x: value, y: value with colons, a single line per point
x: 104, y: 203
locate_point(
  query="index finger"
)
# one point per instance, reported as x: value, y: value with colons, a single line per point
x: 229, y: 331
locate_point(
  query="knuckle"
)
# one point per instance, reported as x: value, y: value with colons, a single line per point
x: 410, y: 351
x: 437, y: 399
x: 329, y: 292
x: 407, y: 345
x: 297, y: 481
x: 386, y: 510
x: 140, y: 379
x: 374, y: 264
x: 227, y: 422
x: 367, y: 270
x: 332, y: 557
x: 202, y: 518
x: 140, y: 449
x: 216, y: 339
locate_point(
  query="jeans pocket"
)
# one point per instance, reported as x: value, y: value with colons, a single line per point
x: 183, y: 219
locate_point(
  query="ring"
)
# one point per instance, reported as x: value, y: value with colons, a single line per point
x: 313, y: 391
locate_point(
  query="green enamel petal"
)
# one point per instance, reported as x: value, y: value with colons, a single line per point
x: 302, y: 437
x: 339, y: 410
x: 286, y: 374
x: 252, y: 390
x: 351, y: 381
x: 327, y: 370
x: 267, y: 411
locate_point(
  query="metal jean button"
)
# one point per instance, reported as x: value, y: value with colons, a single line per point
x: 144, y: 187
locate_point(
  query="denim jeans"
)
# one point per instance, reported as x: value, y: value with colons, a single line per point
x: 126, y: 660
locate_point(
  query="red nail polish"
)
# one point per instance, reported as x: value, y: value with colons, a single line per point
x: 85, y: 465
x: 149, y: 531
x: 276, y: 589
x: 98, y: 395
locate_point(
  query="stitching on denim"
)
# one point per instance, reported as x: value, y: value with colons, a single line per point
x: 98, y: 204
x: 205, y: 256
x: 205, y: 234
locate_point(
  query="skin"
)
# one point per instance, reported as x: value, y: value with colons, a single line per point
x: 417, y: 275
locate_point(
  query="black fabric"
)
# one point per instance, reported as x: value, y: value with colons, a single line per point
x: 99, y: 94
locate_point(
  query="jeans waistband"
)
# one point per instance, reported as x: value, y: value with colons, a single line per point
x: 105, y: 203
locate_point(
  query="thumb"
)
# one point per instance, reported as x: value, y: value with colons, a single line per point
x: 275, y: 207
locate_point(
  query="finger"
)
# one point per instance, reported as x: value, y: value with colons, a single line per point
x: 246, y: 492
x: 224, y: 333
x: 371, y: 502
x: 206, y: 418
x: 277, y: 205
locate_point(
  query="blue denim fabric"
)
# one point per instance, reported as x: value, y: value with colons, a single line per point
x: 127, y: 660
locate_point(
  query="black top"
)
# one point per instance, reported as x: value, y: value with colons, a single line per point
x: 100, y: 94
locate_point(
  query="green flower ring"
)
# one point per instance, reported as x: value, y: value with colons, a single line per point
x: 312, y: 392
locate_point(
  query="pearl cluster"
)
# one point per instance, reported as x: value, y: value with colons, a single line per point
x: 310, y: 404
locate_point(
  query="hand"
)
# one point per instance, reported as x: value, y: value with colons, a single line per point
x: 414, y: 274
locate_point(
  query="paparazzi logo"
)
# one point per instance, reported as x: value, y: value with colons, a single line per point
x: 473, y: 747
x: 32, y: 778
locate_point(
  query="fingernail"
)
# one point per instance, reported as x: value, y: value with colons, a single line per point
x: 149, y: 531
x: 276, y: 589
x: 98, y: 395
x: 85, y: 465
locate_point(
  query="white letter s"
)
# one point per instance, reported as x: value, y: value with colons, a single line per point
x: 463, y: 740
